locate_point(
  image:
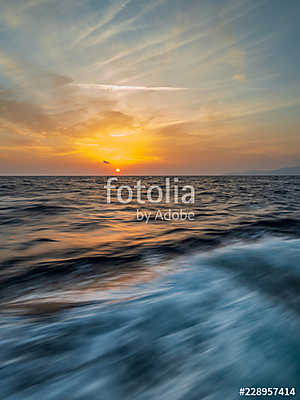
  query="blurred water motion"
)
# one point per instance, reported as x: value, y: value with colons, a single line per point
x: 95, y: 305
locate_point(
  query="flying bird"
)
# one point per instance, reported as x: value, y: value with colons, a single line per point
x: 106, y: 162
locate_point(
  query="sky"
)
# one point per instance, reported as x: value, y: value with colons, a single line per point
x: 149, y: 86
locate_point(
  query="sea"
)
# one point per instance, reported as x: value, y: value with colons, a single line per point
x: 97, y: 304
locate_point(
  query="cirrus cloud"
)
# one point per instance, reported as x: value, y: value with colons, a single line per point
x: 97, y: 86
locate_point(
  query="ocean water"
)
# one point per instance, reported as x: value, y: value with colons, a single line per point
x: 95, y: 304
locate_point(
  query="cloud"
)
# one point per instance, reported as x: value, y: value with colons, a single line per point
x: 118, y: 28
x: 239, y: 77
x: 121, y: 134
x: 26, y: 116
x: 29, y: 82
x: 104, y: 20
x: 95, y: 86
x: 101, y: 124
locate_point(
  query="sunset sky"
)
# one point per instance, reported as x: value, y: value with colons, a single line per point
x: 151, y: 86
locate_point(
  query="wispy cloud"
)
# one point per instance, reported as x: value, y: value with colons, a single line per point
x: 96, y: 86
x: 121, y: 27
x: 104, y: 20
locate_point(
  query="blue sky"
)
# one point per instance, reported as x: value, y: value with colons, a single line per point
x: 155, y: 86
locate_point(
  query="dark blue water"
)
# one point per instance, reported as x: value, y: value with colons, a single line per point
x: 97, y: 305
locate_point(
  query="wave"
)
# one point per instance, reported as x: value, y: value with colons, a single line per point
x: 270, y: 266
x: 201, y: 332
x: 24, y: 272
x: 46, y: 209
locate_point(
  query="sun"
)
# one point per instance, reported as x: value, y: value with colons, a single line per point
x: 118, y: 170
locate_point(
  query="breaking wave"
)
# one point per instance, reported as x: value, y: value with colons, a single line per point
x: 216, y: 321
